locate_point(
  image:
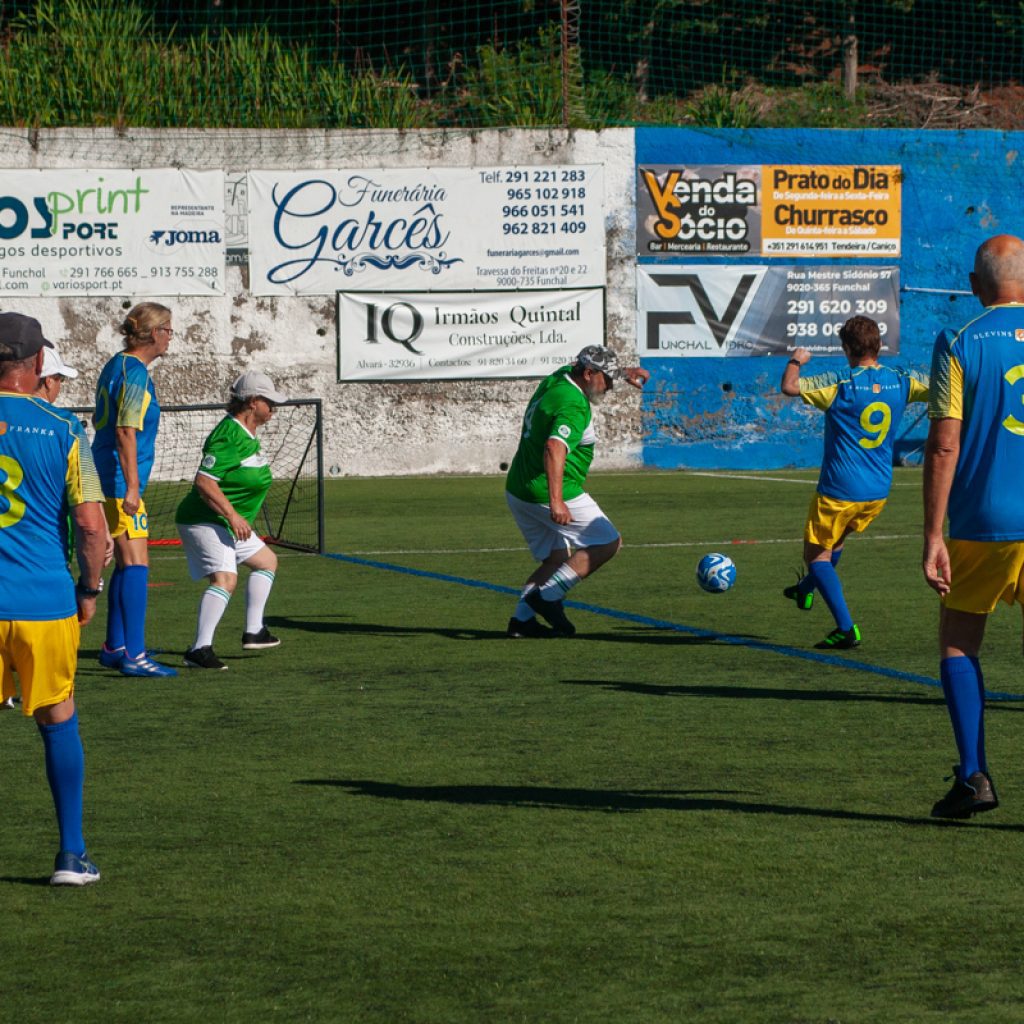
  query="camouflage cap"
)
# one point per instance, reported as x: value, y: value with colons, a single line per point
x: 599, y: 357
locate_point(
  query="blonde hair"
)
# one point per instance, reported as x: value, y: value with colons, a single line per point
x: 138, y: 325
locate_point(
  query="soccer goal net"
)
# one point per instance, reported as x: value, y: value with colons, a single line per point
x: 293, y: 514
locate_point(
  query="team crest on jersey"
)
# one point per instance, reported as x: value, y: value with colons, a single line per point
x: 209, y: 461
x: 3, y: 428
x: 1018, y: 334
x: 876, y: 388
x: 564, y: 430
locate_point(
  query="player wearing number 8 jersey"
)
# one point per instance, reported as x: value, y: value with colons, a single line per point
x: 47, y: 475
x: 974, y: 462
x: 862, y: 407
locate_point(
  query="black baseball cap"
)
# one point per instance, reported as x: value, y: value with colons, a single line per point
x: 20, y: 336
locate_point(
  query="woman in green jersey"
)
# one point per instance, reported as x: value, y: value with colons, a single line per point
x: 215, y: 519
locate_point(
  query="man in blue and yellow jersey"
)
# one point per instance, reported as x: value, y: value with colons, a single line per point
x: 47, y: 474
x: 563, y: 526
x: 862, y: 407
x: 126, y: 419
x: 974, y: 464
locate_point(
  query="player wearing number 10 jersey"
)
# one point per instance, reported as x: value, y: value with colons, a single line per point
x: 862, y: 407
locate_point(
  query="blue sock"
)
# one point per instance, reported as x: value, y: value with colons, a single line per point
x: 115, y: 617
x: 806, y: 585
x: 65, y: 771
x: 964, y: 687
x: 133, y: 604
x: 826, y: 579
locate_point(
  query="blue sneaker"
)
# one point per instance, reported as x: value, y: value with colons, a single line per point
x: 145, y: 666
x: 70, y: 869
x: 111, y: 659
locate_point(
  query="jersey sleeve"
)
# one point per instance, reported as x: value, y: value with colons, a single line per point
x: 820, y: 390
x: 81, y: 482
x: 946, y: 398
x: 568, y: 425
x: 220, y: 456
x: 920, y: 389
x: 133, y: 400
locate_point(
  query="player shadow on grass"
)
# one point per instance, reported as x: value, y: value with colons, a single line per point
x: 616, y: 801
x: 332, y: 625
x: 773, y: 693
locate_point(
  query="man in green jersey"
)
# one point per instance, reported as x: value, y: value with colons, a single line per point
x: 564, y: 527
x: 215, y: 519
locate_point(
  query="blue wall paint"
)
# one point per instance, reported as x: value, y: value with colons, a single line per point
x: 958, y: 189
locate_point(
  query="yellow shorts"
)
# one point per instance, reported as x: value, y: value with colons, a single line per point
x: 119, y: 522
x: 45, y: 656
x: 983, y: 573
x: 829, y: 519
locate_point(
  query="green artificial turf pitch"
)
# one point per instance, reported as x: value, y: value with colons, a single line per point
x: 401, y: 817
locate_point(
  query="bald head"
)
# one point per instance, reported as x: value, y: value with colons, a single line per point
x: 999, y: 270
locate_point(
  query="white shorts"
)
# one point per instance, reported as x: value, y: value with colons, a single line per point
x: 588, y: 528
x: 211, y: 547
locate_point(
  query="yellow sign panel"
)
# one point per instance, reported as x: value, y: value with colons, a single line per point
x: 830, y: 210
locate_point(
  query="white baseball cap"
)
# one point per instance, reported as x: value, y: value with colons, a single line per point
x: 53, y: 364
x: 253, y: 384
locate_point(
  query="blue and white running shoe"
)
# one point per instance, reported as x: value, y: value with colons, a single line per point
x: 145, y: 666
x: 70, y: 869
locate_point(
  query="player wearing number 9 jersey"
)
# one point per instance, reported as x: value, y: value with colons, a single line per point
x: 974, y: 463
x: 862, y: 407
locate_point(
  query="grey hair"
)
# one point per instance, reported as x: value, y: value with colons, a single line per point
x: 1000, y: 261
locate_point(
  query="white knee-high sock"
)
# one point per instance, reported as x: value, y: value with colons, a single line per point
x: 561, y: 582
x: 257, y: 591
x: 212, y: 606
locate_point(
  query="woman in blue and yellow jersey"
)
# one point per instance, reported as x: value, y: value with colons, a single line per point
x: 126, y: 419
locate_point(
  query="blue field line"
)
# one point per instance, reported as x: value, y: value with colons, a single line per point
x: 708, y: 634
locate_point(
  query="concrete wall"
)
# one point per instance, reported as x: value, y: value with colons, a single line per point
x: 370, y: 429
x: 958, y: 188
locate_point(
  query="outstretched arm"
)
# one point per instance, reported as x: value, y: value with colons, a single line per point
x: 636, y: 375
x: 790, y: 384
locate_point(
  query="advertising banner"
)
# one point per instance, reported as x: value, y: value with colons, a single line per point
x: 769, y: 210
x: 111, y: 232
x: 311, y: 232
x: 446, y: 335
x: 747, y: 310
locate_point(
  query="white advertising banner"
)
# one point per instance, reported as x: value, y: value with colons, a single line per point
x: 447, y: 335
x: 745, y: 309
x: 311, y: 232
x: 111, y: 232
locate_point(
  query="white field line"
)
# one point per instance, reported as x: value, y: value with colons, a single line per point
x: 771, y: 479
x: 709, y: 545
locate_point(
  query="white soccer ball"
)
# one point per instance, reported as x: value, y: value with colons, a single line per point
x: 716, y: 573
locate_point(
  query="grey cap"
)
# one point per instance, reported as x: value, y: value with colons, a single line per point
x: 253, y: 384
x: 599, y: 357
